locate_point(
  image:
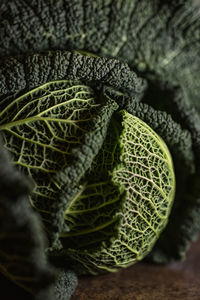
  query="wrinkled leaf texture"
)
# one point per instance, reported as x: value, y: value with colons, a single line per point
x: 158, y: 40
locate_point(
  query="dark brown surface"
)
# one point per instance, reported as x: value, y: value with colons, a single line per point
x: 176, y: 281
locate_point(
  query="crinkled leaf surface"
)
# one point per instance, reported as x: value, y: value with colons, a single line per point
x: 30, y: 71
x: 183, y: 226
x: 31, y: 112
x: 134, y: 168
x: 179, y: 125
x: 42, y: 128
x: 140, y: 36
x: 42, y: 111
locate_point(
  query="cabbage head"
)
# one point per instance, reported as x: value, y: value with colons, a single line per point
x: 115, y: 209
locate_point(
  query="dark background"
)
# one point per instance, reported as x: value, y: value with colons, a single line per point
x: 175, y: 281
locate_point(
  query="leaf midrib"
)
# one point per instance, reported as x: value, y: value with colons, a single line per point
x: 37, y: 118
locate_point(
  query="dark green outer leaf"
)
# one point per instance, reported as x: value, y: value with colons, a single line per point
x: 154, y: 37
x: 20, y: 225
x: 27, y: 72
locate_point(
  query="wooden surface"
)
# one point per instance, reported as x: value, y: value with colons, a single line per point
x: 176, y: 281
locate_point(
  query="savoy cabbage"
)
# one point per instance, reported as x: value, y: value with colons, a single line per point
x: 100, y: 135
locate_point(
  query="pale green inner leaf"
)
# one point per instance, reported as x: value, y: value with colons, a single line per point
x: 41, y: 127
x: 136, y: 164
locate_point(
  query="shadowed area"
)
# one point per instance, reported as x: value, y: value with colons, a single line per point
x: 178, y: 281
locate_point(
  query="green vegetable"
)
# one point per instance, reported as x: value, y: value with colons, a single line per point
x: 105, y: 160
x: 127, y: 192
